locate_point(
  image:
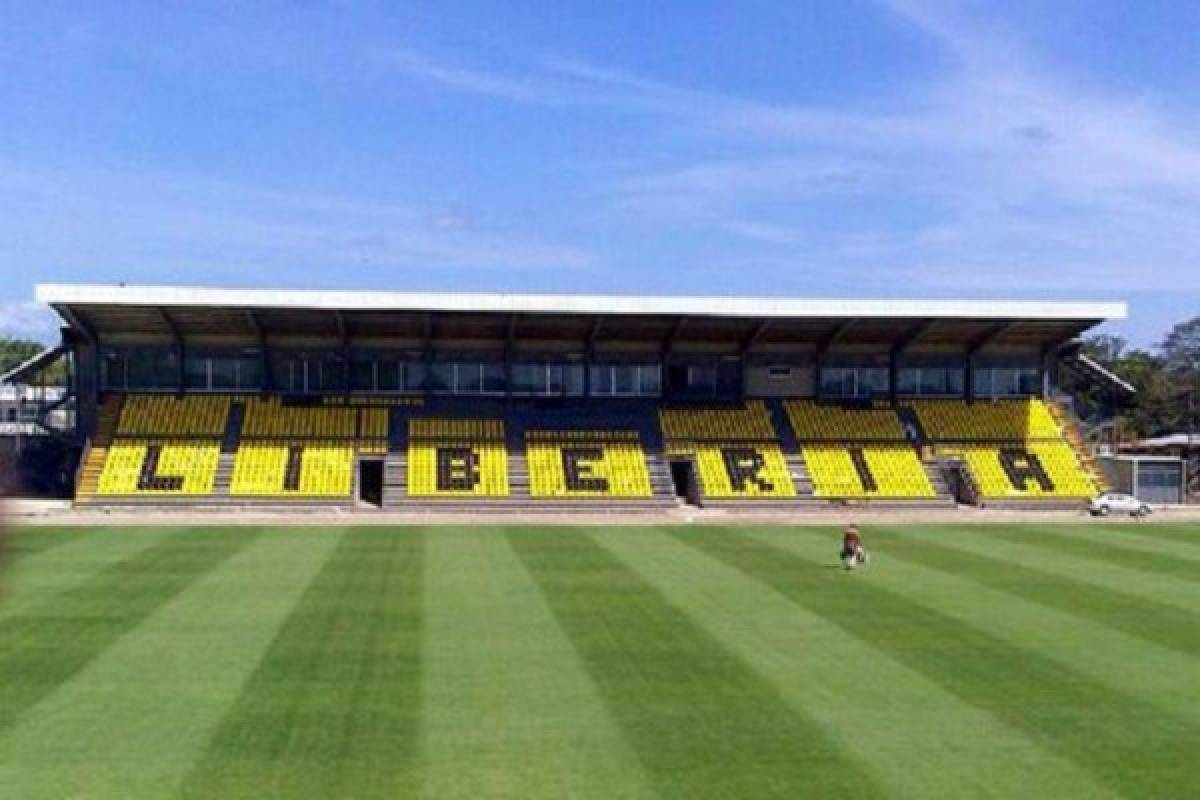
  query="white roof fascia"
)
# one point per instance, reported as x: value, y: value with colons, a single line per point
x: 754, y: 307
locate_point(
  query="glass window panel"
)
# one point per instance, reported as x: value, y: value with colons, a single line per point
x: 331, y: 376
x: 650, y: 378
x: 468, y: 377
x: 573, y: 379
x: 195, y: 371
x: 387, y: 375
x: 493, y: 377
x: 529, y: 379
x: 702, y: 379
x: 908, y: 380
x: 602, y: 380
x: 1004, y: 382
x: 954, y: 380
x: 223, y: 371
x: 624, y: 380
x: 250, y: 372
x: 414, y: 375
x: 1029, y: 381
x: 440, y: 377
x: 362, y: 374
x: 554, y: 379
x: 112, y: 370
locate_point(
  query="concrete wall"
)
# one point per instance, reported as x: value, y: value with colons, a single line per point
x: 799, y: 383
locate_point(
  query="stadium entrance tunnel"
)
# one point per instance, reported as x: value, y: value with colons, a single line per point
x: 683, y: 480
x: 370, y: 482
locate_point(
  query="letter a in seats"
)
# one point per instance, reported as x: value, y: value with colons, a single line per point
x: 579, y: 465
x: 1022, y: 466
x: 743, y: 465
x: 457, y: 469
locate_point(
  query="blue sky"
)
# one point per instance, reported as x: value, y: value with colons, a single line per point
x: 852, y: 148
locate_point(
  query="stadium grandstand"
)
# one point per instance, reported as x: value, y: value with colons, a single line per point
x: 223, y: 397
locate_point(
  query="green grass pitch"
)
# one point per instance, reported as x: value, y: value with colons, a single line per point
x: 607, y: 662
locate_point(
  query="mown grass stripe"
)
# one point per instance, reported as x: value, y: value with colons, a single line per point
x: 1012, y: 606
x: 1181, y: 535
x: 1131, y: 746
x: 20, y: 543
x: 36, y: 576
x: 702, y: 723
x: 509, y: 710
x: 918, y: 738
x: 1163, y: 589
x: 1053, y: 540
x: 1164, y: 625
x: 43, y: 647
x: 332, y: 709
x: 1169, y: 544
x: 132, y: 723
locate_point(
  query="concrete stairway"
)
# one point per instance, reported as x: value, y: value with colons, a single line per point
x: 1071, y: 432
x: 92, y: 464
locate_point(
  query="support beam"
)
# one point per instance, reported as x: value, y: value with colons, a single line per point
x: 989, y: 336
x: 754, y: 337
x: 76, y: 322
x: 343, y: 349
x: 589, y: 357
x: 177, y: 337
x: 510, y: 343
x: 668, y: 342
x: 260, y: 334
x: 835, y: 335
x: 427, y: 348
x: 899, y: 348
x: 981, y: 341
x: 911, y: 336
x: 832, y: 337
x: 593, y: 334
x: 1049, y: 356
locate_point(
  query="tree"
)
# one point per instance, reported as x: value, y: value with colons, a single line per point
x: 14, y: 352
x: 1181, y: 347
x: 1106, y: 348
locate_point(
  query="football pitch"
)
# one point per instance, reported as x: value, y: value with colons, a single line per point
x: 607, y: 662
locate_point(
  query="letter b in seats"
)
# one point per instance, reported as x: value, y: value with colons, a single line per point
x: 743, y: 465
x: 579, y: 464
x: 457, y: 469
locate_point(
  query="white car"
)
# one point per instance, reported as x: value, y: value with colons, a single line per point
x: 1117, y: 503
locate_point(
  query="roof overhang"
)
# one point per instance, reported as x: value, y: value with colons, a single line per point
x: 735, y: 323
x: 56, y: 294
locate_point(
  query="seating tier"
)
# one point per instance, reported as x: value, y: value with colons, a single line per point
x: 586, y: 463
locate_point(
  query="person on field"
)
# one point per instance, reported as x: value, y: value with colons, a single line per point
x: 852, y: 553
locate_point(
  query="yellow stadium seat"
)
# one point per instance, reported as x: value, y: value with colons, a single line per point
x: 159, y: 467
x: 457, y: 457
x: 743, y: 470
x: 819, y: 422
x: 293, y: 468
x: 586, y: 464
x: 269, y: 417
x: 171, y: 415
x: 895, y: 471
x: 1013, y: 448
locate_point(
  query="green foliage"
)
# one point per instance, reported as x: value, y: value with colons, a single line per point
x: 14, y: 352
x: 1167, y: 382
